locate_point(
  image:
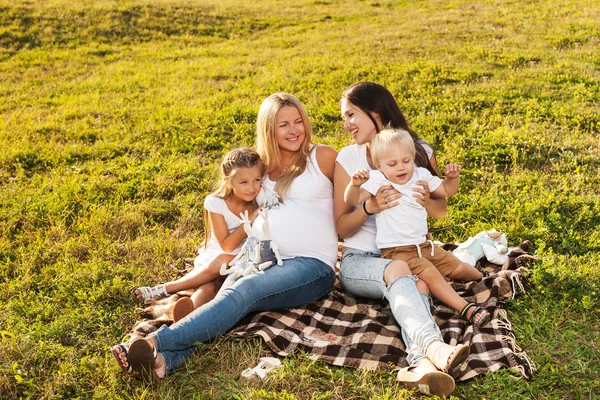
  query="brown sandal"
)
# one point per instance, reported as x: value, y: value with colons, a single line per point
x: 142, y: 357
x: 116, y: 354
x: 182, y: 308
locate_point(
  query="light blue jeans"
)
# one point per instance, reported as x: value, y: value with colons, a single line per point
x: 361, y: 274
x: 299, y: 281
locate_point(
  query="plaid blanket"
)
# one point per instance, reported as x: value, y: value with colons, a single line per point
x: 343, y: 330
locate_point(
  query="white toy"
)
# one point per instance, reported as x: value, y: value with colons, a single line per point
x: 491, y: 244
x: 256, y: 255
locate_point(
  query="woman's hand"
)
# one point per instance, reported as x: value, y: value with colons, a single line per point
x: 422, y: 193
x: 385, y: 198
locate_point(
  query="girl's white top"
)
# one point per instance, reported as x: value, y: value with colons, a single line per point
x: 352, y: 158
x: 217, y: 205
x: 302, y: 225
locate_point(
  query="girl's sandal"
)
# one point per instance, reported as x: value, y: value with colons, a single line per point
x: 145, y: 293
x: 446, y: 357
x: 182, y: 308
x: 484, y: 315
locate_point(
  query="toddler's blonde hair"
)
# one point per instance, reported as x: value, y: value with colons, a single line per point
x: 387, y: 138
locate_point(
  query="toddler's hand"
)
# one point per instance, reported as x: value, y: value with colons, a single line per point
x: 360, y: 177
x: 452, y: 170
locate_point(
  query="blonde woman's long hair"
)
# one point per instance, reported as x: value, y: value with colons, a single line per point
x: 243, y: 157
x: 266, y: 142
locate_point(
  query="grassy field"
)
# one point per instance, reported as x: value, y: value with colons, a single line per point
x: 113, y: 115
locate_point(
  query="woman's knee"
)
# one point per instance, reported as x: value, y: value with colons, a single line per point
x: 395, y: 270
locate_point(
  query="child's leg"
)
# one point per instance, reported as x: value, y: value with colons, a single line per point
x: 444, y: 293
x: 466, y: 272
x: 206, y: 293
x: 199, y: 276
x: 201, y: 296
x: 441, y: 289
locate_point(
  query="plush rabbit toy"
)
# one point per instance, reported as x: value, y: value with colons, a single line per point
x: 256, y: 255
x: 491, y: 244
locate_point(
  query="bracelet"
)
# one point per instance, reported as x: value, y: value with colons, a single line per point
x: 365, y: 208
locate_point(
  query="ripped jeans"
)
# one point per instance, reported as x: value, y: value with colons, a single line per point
x: 361, y: 274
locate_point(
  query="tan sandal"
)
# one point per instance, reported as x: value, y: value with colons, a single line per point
x: 446, y: 357
x: 425, y: 377
x: 182, y: 308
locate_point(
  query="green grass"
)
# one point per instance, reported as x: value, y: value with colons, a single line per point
x: 113, y: 115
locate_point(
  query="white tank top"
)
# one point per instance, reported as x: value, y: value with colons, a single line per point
x: 352, y: 158
x: 303, y: 225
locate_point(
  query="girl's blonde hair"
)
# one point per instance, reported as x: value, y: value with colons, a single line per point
x: 243, y: 157
x: 390, y: 137
x: 266, y: 142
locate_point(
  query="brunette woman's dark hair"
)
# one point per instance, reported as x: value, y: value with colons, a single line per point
x: 373, y: 98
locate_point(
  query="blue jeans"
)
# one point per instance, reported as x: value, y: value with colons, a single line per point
x: 361, y: 274
x: 299, y: 281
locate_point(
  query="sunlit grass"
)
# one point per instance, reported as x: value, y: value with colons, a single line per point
x: 113, y: 116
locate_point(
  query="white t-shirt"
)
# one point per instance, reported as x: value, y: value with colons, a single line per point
x: 303, y: 224
x: 217, y: 205
x: 352, y: 158
x: 406, y: 223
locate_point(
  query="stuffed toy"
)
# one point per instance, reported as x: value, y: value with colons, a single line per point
x: 255, y: 255
x: 489, y: 244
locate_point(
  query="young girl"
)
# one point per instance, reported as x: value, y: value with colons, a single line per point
x: 241, y: 177
x: 402, y: 230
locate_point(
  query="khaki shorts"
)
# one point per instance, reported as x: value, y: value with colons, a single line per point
x: 442, y: 260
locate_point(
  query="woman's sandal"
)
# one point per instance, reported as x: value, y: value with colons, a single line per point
x: 484, y: 315
x: 424, y: 377
x: 140, y: 356
x: 116, y: 354
x: 145, y: 293
x: 446, y: 357
x: 182, y: 308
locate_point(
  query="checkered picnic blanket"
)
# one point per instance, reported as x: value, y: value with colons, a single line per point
x: 343, y: 330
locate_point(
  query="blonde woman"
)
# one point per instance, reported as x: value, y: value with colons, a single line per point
x: 302, y: 226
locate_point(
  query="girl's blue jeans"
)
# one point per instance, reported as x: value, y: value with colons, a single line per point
x: 299, y: 281
x: 361, y: 274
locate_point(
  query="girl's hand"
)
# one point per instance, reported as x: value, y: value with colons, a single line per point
x: 452, y: 170
x: 385, y: 198
x: 422, y: 193
x: 360, y: 177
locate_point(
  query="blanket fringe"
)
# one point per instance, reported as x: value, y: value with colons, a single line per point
x: 515, y: 281
x: 509, y: 338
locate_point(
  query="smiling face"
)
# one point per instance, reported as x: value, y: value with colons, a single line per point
x: 397, y: 163
x: 289, y: 129
x: 245, y: 182
x: 358, y: 123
